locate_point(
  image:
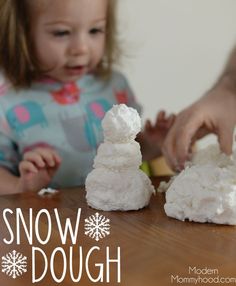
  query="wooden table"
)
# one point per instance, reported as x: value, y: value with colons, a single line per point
x: 153, y: 248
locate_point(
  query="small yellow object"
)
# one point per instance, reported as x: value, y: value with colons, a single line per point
x: 159, y: 167
x: 146, y: 168
x: 156, y: 167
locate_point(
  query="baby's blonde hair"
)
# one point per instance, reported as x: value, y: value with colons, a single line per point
x: 18, y: 61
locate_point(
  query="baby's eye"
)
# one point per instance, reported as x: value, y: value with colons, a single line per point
x: 61, y: 33
x: 95, y: 31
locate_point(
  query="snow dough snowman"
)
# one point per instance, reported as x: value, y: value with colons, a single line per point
x: 116, y: 182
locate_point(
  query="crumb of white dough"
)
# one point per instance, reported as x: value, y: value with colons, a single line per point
x: 163, y: 186
x: 47, y: 191
x: 205, y: 191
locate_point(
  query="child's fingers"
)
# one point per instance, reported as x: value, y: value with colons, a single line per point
x: 27, y: 167
x: 50, y: 157
x: 35, y: 158
x: 57, y: 158
x: 161, y: 116
x: 47, y: 157
x: 148, y: 125
x: 161, y: 119
x: 165, y: 122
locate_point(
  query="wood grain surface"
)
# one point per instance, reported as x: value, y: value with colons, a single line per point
x: 154, y: 249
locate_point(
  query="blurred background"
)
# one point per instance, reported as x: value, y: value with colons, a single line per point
x: 175, y: 49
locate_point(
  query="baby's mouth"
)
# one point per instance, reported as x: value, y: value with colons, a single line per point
x: 79, y: 67
x: 74, y: 70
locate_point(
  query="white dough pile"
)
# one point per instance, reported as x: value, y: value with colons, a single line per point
x: 116, y: 182
x: 121, y: 124
x: 205, y: 191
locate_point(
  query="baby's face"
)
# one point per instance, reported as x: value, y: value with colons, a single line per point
x: 69, y: 37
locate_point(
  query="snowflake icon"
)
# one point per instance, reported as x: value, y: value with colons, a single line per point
x: 97, y: 226
x: 14, y: 264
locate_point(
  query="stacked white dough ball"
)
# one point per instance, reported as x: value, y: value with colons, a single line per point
x: 206, y: 190
x: 116, y: 182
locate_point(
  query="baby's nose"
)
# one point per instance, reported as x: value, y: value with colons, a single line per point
x: 79, y: 46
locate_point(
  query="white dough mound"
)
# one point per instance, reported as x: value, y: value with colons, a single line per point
x: 123, y: 190
x: 206, y: 190
x: 118, y: 156
x: 116, y: 182
x: 121, y: 124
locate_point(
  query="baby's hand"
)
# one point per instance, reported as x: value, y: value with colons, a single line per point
x: 152, y: 137
x: 37, y: 169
